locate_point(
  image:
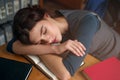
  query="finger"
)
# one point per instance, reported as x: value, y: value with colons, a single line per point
x: 73, y: 51
x: 80, y: 44
x: 77, y: 50
x: 79, y: 47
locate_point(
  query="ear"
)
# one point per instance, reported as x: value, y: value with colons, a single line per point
x: 46, y: 15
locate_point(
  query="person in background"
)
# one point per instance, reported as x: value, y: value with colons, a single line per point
x: 97, y: 6
x: 63, y: 38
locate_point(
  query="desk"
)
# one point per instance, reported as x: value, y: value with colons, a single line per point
x: 38, y: 75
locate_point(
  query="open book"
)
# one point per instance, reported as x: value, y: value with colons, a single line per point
x: 40, y: 65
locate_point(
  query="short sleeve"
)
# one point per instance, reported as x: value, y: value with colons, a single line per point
x: 10, y: 44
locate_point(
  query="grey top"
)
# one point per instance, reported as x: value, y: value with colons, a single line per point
x: 105, y: 42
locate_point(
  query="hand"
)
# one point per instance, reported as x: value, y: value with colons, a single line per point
x: 74, y: 46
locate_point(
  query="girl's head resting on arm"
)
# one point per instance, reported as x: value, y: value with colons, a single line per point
x: 33, y: 25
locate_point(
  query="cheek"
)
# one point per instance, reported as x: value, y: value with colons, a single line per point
x: 58, y: 36
x: 34, y: 37
x: 54, y: 32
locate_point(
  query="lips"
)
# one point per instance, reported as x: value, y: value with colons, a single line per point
x: 54, y: 40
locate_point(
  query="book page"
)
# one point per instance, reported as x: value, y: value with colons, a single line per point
x: 34, y: 59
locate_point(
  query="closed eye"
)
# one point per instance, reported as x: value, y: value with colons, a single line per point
x: 43, y: 42
x: 44, y: 30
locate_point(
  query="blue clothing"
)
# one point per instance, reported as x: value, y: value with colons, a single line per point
x: 9, y: 45
x: 97, y: 6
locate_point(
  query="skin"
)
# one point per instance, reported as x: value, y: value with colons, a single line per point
x: 45, y: 33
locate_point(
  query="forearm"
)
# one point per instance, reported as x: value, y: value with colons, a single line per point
x: 19, y: 48
x: 54, y: 63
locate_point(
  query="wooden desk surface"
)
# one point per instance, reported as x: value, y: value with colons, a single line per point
x: 38, y: 75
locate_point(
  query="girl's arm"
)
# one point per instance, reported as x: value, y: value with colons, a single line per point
x: 20, y: 48
x: 16, y: 46
x: 55, y: 65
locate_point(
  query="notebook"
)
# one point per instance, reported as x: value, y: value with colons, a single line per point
x: 108, y: 69
x: 14, y: 70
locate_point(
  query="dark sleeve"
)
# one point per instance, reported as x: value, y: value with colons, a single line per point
x: 84, y: 33
x: 10, y: 44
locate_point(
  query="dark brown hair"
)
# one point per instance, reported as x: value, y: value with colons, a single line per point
x: 25, y: 19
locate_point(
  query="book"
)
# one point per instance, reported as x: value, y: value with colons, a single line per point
x: 3, y: 15
x: 24, y: 3
x: 2, y: 37
x: 14, y: 70
x: 9, y: 9
x: 108, y: 69
x: 7, y: 27
x: 16, y: 5
x: 35, y: 60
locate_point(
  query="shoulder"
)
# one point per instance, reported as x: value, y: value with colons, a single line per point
x: 76, y: 15
x: 74, y: 12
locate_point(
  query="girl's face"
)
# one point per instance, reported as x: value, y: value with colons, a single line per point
x: 45, y: 32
